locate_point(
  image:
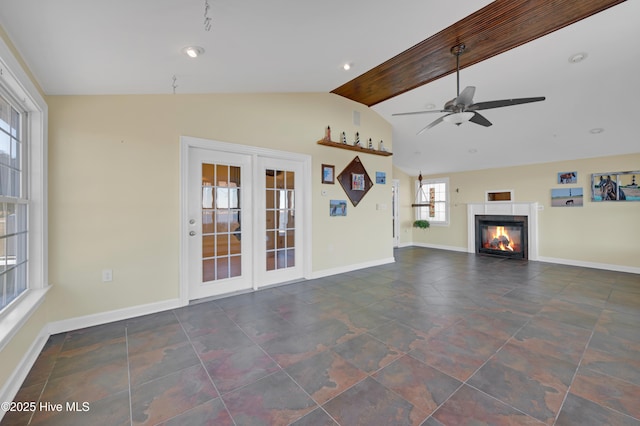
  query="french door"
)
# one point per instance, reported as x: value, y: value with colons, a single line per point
x: 244, y: 220
x: 279, y: 250
x: 220, y: 228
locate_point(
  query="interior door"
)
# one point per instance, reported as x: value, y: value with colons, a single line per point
x: 279, y: 256
x: 219, y: 223
x: 395, y: 211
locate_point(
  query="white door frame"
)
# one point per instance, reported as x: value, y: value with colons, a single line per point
x: 187, y: 142
x: 396, y: 212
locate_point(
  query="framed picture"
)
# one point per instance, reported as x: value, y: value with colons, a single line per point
x: 567, y: 177
x: 615, y: 186
x: 338, y: 207
x: 328, y: 173
x: 357, y: 181
x: 353, y: 176
x: 381, y: 178
x: 567, y: 197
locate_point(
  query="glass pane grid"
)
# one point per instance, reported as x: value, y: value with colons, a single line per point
x: 221, y: 230
x: 280, y: 214
x: 13, y: 207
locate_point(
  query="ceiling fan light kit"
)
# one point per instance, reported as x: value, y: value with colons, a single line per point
x: 458, y: 117
x: 462, y: 108
x: 193, y: 51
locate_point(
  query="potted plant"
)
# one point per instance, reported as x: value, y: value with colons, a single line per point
x: 422, y: 224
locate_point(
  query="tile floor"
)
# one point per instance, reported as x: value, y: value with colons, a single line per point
x: 437, y: 338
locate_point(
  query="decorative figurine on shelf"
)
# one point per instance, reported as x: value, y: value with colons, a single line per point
x: 381, y: 147
x: 357, y: 141
x: 370, y: 146
x: 327, y: 134
x: 344, y: 138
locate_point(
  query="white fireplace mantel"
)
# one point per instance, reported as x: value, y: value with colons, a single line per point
x: 504, y: 209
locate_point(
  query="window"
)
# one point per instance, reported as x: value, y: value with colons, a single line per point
x: 13, y: 206
x: 436, y: 193
x: 23, y: 196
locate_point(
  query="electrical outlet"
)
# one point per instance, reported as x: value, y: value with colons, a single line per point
x: 107, y: 275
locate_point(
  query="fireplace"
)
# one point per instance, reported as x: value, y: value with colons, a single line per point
x: 502, y: 235
x: 496, y: 211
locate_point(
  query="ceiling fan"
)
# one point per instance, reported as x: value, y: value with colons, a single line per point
x: 461, y: 108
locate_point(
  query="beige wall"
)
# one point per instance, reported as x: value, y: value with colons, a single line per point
x: 603, y: 233
x: 114, y: 187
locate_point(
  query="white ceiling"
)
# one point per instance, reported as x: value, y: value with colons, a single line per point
x: 134, y: 47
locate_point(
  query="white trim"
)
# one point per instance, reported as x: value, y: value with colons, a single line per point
x: 544, y: 259
x: 20, y: 372
x: 111, y: 316
x: 187, y: 142
x: 447, y: 202
x: 350, y: 268
x: 585, y: 264
x: 17, y: 314
x: 395, y: 213
x: 440, y: 247
x: 494, y: 191
x: 13, y: 384
x: 21, y: 88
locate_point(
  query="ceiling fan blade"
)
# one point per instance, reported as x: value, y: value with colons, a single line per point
x: 479, y: 119
x: 466, y: 97
x: 420, y: 112
x: 433, y: 123
x: 503, y: 103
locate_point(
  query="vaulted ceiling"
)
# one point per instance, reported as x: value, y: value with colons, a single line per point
x: 394, y: 48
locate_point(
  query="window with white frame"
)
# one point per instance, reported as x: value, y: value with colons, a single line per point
x: 23, y: 196
x: 13, y: 205
x: 433, y: 196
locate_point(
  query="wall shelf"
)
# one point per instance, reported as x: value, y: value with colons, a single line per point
x: 353, y: 148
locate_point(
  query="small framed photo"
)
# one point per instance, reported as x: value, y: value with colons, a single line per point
x: 381, y: 178
x: 357, y: 182
x: 567, y: 197
x: 328, y: 174
x: 567, y: 177
x: 338, y: 207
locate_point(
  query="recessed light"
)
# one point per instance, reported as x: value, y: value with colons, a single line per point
x: 193, y: 51
x: 596, y: 130
x: 346, y: 66
x: 430, y: 106
x: 578, y: 57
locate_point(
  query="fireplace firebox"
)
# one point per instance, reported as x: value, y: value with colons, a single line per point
x: 502, y: 236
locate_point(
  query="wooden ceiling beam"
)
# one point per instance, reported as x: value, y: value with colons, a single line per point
x: 500, y: 26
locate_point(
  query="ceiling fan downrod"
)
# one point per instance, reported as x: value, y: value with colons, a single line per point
x: 457, y: 51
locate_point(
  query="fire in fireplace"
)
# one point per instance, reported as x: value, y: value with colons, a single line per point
x: 502, y: 235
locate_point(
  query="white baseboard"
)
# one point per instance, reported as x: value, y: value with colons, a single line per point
x: 560, y: 261
x: 111, y: 316
x: 605, y: 266
x: 349, y: 268
x: 13, y: 384
x: 440, y: 247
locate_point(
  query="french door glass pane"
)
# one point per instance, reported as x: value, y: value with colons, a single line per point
x: 280, y: 219
x: 221, y: 230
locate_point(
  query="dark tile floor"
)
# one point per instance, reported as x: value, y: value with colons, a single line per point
x: 437, y: 338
